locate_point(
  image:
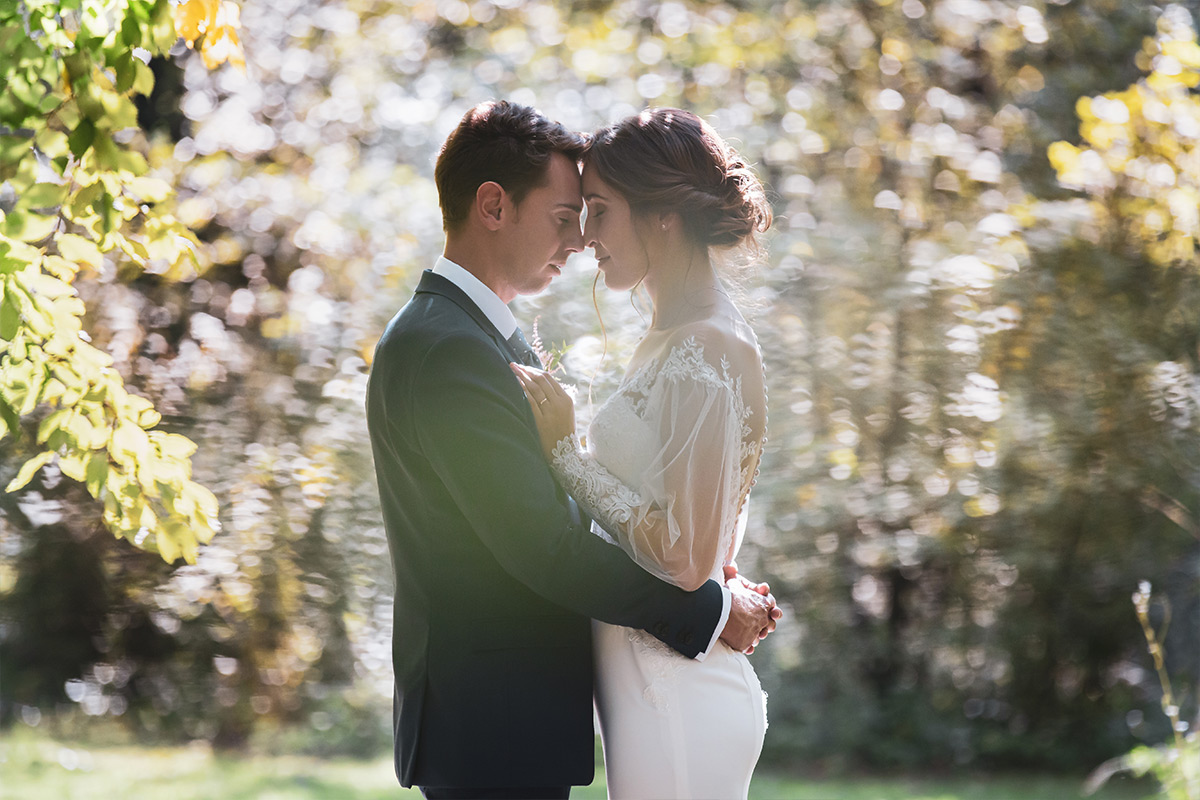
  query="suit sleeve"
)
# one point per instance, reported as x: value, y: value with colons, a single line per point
x: 473, y: 425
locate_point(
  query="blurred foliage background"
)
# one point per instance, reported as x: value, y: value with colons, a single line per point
x: 979, y: 310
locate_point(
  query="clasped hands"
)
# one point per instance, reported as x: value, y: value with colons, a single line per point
x: 753, y: 612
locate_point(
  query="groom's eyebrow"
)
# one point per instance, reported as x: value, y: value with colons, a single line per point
x: 576, y: 207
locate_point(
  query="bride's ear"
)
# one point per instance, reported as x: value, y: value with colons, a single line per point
x: 668, y: 221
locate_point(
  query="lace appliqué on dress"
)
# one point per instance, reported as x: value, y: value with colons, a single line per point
x: 687, y: 362
x: 663, y: 662
x: 594, y: 487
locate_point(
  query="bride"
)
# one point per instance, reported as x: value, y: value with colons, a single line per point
x: 672, y: 455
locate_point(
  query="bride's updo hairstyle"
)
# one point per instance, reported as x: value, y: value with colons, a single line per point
x: 669, y: 160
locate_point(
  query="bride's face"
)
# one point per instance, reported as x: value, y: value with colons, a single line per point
x: 611, y: 232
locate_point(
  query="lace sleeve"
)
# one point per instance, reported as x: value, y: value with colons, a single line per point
x: 595, y: 488
x: 679, y: 521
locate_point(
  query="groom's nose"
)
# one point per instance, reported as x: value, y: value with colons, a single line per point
x: 573, y: 240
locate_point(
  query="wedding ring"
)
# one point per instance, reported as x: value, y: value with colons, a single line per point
x: 544, y: 399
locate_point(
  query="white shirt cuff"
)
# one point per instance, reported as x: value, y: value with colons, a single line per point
x: 726, y: 603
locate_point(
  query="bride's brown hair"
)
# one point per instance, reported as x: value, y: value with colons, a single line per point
x: 670, y: 160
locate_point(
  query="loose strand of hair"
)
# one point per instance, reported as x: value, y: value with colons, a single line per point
x: 604, y: 340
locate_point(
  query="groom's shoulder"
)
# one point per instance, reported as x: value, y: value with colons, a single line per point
x: 435, y: 330
x: 427, y: 319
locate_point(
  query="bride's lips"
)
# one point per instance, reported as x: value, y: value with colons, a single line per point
x: 600, y: 261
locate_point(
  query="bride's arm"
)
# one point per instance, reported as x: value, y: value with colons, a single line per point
x: 679, y: 520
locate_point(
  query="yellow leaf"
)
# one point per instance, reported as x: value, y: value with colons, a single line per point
x: 60, y: 268
x: 172, y: 445
x: 220, y: 46
x: 167, y: 547
x: 1083, y: 109
x: 149, y: 190
x: 28, y: 470
x: 74, y: 467
x: 1063, y: 156
x: 1186, y: 52
x: 195, y: 17
x: 130, y: 440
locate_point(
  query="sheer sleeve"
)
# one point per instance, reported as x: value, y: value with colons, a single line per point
x: 680, y: 520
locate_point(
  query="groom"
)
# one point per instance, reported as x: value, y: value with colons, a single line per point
x: 496, y: 573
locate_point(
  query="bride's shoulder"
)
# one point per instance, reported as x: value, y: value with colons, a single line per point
x: 718, y: 339
x: 710, y: 349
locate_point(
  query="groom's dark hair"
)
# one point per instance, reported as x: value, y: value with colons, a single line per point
x: 503, y: 142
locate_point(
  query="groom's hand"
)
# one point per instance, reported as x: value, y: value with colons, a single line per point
x: 732, y: 574
x: 751, y: 617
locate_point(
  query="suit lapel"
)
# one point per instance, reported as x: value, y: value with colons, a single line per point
x: 432, y: 283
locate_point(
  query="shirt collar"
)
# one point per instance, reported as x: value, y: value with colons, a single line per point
x: 492, y: 306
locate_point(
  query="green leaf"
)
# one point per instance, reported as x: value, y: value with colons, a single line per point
x: 126, y: 73
x: 10, y: 316
x: 93, y: 22
x: 120, y: 112
x: 14, y: 148
x: 143, y: 82
x: 85, y: 199
x: 162, y: 26
x: 43, y: 195
x: 29, y: 227
x: 20, y: 88
x: 52, y: 423
x: 52, y: 143
x: 131, y: 32
x: 82, y: 137
x: 107, y: 152
x: 97, y: 473
x: 28, y: 470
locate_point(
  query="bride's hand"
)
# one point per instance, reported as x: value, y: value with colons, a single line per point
x: 553, y: 408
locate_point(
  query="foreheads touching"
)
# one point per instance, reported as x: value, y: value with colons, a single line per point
x: 667, y: 160
x: 503, y: 143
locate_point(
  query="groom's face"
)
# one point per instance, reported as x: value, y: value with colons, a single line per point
x: 545, y: 228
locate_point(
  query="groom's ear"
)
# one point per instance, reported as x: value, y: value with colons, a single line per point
x: 490, y: 204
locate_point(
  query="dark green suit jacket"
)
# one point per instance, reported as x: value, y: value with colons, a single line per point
x: 495, y: 582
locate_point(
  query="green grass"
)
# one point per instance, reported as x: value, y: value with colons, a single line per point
x: 34, y: 766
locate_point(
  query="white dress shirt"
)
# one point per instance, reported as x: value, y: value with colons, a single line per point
x: 498, y: 313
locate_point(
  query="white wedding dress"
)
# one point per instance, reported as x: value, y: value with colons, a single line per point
x: 667, y: 471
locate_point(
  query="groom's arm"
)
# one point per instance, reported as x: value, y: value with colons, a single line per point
x: 473, y: 424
